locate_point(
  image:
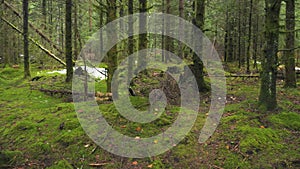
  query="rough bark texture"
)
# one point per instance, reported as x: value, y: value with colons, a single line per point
x: 68, y: 40
x: 26, y: 42
x: 112, y: 53
x: 267, y: 97
x: 198, y: 65
x: 143, y: 41
x: 290, y: 80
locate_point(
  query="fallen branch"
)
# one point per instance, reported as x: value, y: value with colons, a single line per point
x: 36, y: 43
x: 34, y: 28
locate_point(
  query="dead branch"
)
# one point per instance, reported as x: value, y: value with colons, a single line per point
x: 36, y: 43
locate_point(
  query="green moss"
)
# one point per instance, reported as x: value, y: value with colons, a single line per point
x: 259, y: 139
x: 10, y: 157
x: 62, y: 164
x: 288, y: 120
x: 235, y: 161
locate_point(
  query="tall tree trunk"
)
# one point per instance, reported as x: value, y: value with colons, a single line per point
x: 44, y: 12
x: 163, y: 31
x: 181, y: 15
x: 198, y: 64
x: 112, y: 53
x: 255, y: 36
x: 75, y: 29
x: 25, y: 36
x: 249, y: 37
x: 239, y: 34
x: 130, y: 41
x: 289, y: 55
x: 267, y: 97
x: 143, y: 41
x: 68, y: 40
x: 167, y: 39
x: 90, y: 16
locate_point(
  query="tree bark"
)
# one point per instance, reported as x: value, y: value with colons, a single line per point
x: 130, y: 41
x: 267, y: 96
x: 249, y: 37
x: 198, y: 64
x: 181, y: 15
x: 289, y: 56
x: 143, y: 40
x: 112, y: 53
x: 25, y: 36
x: 68, y: 41
x: 167, y: 39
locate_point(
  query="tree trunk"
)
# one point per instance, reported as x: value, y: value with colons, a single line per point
x: 255, y: 36
x: 90, y: 16
x: 290, y: 80
x: 26, y: 42
x: 112, y: 53
x: 249, y: 37
x: 163, y: 31
x: 44, y: 12
x: 143, y: 41
x: 181, y: 14
x: 130, y: 41
x: 68, y: 40
x: 198, y: 64
x: 167, y: 39
x: 267, y: 97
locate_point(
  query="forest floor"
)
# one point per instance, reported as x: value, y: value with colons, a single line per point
x: 38, y: 130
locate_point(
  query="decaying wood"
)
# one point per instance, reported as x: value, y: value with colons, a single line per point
x: 36, y: 43
x: 39, y: 32
x: 99, y: 97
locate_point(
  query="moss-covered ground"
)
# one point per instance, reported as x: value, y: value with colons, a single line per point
x: 39, y: 130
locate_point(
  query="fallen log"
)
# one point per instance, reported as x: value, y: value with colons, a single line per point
x: 36, y: 43
x: 99, y: 97
x: 45, y: 37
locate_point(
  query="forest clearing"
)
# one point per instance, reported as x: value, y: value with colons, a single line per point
x: 149, y: 84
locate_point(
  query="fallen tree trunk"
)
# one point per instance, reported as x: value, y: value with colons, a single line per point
x: 36, y: 43
x: 34, y: 28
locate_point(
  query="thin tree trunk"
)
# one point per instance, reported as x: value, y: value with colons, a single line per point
x: 239, y: 35
x: 143, y: 41
x: 255, y: 37
x: 39, y: 32
x: 163, y: 31
x: 90, y: 16
x: 68, y: 40
x: 75, y: 30
x: 290, y: 80
x: 25, y: 36
x: 130, y: 41
x: 249, y: 37
x: 181, y: 15
x: 44, y: 12
x: 34, y: 42
x: 167, y: 39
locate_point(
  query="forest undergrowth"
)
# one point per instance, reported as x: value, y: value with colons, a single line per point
x: 40, y: 130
